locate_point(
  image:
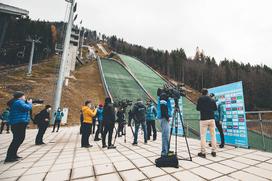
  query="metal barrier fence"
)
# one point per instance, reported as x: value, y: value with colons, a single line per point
x: 259, y: 125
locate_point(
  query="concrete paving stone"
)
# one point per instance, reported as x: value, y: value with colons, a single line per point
x: 12, y: 173
x: 234, y: 164
x: 111, y: 177
x: 256, y: 157
x: 171, y: 170
x: 35, y: 170
x: 152, y: 171
x: 234, y: 152
x: 82, y: 164
x: 85, y: 179
x: 58, y: 175
x: 142, y: 162
x: 123, y: 165
x: 82, y: 172
x: 104, y: 169
x: 64, y: 161
x: 216, y: 159
x: 244, y: 176
x: 132, y: 175
x: 10, y: 179
x: 269, y: 161
x: 259, y: 171
x: 134, y: 156
x: 120, y: 158
x: 64, y: 166
x: 188, y: 164
x: 206, y: 172
x: 246, y: 160
x: 226, y: 155
x: 44, y: 163
x: 21, y: 165
x: 221, y: 168
x: 201, y: 161
x: 164, y: 178
x: 264, y: 154
x: 186, y: 175
x: 101, y: 161
x: 35, y: 177
x: 265, y: 165
x: 225, y: 178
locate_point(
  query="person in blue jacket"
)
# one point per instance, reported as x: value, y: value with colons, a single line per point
x: 99, y: 126
x: 18, y: 120
x: 58, y: 116
x: 164, y: 112
x: 151, y: 114
x: 5, y: 118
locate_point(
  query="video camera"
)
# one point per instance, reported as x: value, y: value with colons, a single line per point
x: 170, y: 91
x: 124, y: 103
x: 36, y: 101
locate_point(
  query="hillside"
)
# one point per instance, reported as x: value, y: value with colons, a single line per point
x: 86, y: 85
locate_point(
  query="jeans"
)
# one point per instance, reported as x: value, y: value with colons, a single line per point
x: 98, y: 130
x: 137, y: 126
x: 86, y: 132
x: 151, y: 124
x: 165, y: 136
x: 204, y: 124
x: 18, y: 131
x: 41, y: 131
x: 108, y: 128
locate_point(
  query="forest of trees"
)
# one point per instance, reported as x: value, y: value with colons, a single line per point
x: 16, y: 49
x: 203, y: 71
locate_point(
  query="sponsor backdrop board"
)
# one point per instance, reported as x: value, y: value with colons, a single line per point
x: 231, y: 98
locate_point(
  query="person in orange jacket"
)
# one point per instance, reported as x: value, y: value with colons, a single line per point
x: 88, y: 112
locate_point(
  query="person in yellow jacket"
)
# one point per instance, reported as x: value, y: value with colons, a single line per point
x: 88, y: 113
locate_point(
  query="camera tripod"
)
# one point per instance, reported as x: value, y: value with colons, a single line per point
x: 176, y: 115
x: 116, y: 132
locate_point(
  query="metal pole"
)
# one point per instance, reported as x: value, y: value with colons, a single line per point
x: 31, y: 58
x: 58, y: 91
x: 261, y: 123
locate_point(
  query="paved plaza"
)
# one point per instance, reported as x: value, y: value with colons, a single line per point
x: 62, y: 158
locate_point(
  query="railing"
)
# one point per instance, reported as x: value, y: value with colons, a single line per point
x: 259, y: 125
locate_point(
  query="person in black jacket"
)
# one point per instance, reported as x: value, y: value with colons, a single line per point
x: 108, y: 123
x: 121, y: 121
x: 138, y: 112
x: 43, y: 122
x: 206, y: 105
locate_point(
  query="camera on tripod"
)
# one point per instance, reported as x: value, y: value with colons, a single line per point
x: 122, y: 104
x: 170, y: 91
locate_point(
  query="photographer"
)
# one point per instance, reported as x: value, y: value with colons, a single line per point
x: 138, y: 112
x: 206, y: 105
x: 43, y: 123
x: 121, y: 121
x: 164, y: 112
x: 58, y: 116
x: 18, y: 119
x: 100, y: 119
x: 108, y: 123
x: 88, y: 113
x: 5, y: 118
x: 151, y: 115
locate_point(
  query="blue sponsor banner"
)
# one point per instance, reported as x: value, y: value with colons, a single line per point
x: 231, y: 99
x: 180, y: 128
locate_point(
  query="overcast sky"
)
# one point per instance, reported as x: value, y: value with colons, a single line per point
x: 235, y: 29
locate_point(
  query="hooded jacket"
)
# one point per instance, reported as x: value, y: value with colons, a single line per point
x: 139, y: 111
x: 100, y: 114
x: 19, y: 111
x: 88, y: 114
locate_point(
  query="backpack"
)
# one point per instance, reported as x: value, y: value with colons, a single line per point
x: 140, y: 113
x: 164, y: 108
